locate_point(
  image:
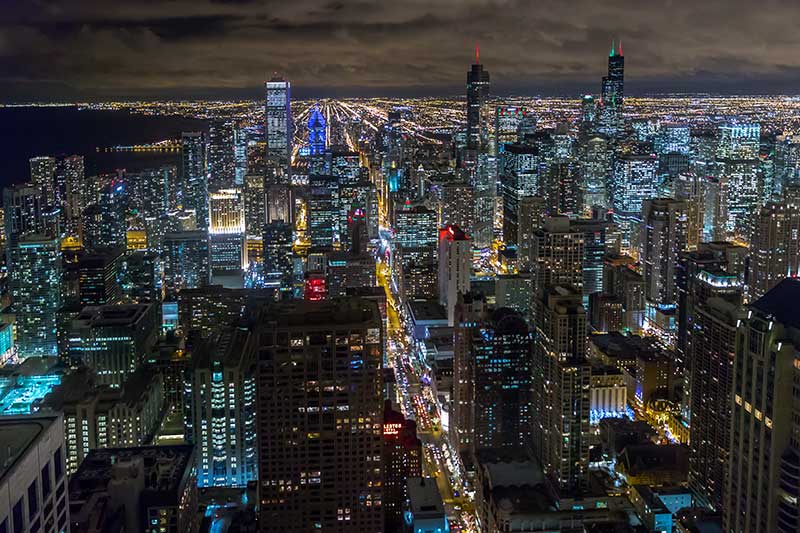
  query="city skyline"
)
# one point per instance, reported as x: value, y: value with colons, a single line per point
x: 476, y: 313
x: 224, y: 49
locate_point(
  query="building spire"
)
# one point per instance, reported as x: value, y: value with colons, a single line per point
x: 611, y: 54
x: 477, y: 53
x: 620, y: 48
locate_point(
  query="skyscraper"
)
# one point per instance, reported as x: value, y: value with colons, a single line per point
x: 277, y: 254
x: 226, y: 231
x: 613, y: 92
x: 320, y: 445
x: 188, y: 260
x: 765, y: 430
x: 221, y: 410
x: 663, y: 237
x: 503, y: 370
x: 221, y: 154
x: 595, y: 170
x: 775, y: 246
x: 477, y: 92
x: 714, y: 341
x: 278, y: 132
x: 36, y: 290
x: 195, y: 176
x: 562, y: 375
x: 633, y: 181
x: 317, y: 132
x: 455, y: 268
x: 43, y: 177
x: 557, y: 256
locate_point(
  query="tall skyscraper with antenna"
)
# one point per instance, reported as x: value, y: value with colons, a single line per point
x: 477, y: 91
x: 613, y: 90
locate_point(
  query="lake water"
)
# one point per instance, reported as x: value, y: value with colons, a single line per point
x: 27, y: 132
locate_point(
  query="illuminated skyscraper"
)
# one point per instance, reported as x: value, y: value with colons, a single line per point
x: 663, y: 237
x: 317, y: 132
x: 562, y: 377
x: 221, y: 154
x: 195, y: 176
x: 221, y: 411
x: 226, y: 232
x: 775, y: 247
x: 113, y: 340
x: 507, y: 121
x: 155, y: 190
x: 278, y: 132
x: 36, y: 292
x: 713, y: 347
x: 740, y: 180
x: 323, y: 211
x: 634, y: 181
x: 320, y: 447
x: 595, y: 170
x: 277, y: 241
x: 43, y: 177
x: 477, y: 92
x: 503, y: 369
x: 613, y: 91
x: 71, y: 197
x: 557, y: 255
x: 188, y: 260
x: 23, y: 213
x: 457, y: 206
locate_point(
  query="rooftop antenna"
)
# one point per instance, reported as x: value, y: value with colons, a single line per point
x: 477, y: 53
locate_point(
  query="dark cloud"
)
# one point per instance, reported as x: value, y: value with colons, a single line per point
x: 138, y: 48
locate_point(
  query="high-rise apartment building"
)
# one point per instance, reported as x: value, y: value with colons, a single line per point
x: 775, y: 246
x: 194, y: 194
x: 765, y: 433
x: 562, y: 378
x: 36, y: 292
x: 714, y: 340
x: 663, y: 237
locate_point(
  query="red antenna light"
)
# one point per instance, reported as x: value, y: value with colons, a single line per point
x: 620, y: 48
x: 477, y: 53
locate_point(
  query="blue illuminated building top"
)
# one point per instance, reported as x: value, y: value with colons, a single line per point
x: 22, y: 387
x: 317, y: 132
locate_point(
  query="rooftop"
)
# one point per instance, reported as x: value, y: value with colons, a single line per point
x: 427, y: 311
x: 781, y: 302
x: 113, y: 315
x: 18, y: 434
x: 164, y: 469
x: 424, y: 497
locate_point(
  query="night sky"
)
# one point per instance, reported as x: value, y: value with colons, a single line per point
x: 101, y: 49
